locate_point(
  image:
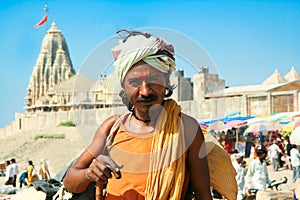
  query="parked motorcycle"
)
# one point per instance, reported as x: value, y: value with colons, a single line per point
x: 273, y: 186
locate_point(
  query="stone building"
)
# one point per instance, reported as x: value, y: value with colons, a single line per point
x: 52, y: 67
x: 106, y: 92
x: 276, y: 94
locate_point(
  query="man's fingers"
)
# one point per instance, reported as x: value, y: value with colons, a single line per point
x: 111, y: 165
x: 120, y: 166
x: 115, y: 168
x: 107, y: 166
x: 101, y: 170
x: 90, y: 175
x: 116, y: 172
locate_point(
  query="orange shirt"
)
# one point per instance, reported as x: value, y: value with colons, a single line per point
x: 132, y: 150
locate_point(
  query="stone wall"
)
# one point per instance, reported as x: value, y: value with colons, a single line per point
x: 87, y: 118
x: 90, y: 119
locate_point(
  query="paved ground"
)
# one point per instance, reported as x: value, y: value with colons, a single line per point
x: 282, y: 172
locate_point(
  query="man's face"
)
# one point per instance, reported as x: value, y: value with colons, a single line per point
x: 262, y: 157
x: 239, y: 160
x: 144, y: 86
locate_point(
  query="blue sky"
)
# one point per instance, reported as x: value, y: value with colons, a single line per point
x: 247, y: 40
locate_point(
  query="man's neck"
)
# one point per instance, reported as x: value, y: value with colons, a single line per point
x: 140, y: 119
x: 148, y: 116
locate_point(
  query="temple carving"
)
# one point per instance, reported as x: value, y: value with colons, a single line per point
x: 53, y: 66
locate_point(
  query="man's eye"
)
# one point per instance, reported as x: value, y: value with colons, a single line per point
x: 155, y: 79
x: 135, y: 82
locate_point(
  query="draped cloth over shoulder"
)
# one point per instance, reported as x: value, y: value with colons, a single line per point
x: 167, y: 160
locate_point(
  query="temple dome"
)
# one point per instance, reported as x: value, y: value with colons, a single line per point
x: 292, y: 75
x: 275, y: 78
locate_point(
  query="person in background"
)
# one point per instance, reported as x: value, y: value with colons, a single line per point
x: 250, y: 141
x: 257, y: 176
x: 15, y: 168
x: 9, y: 173
x: 229, y: 140
x: 281, y: 155
x: 44, y: 171
x: 239, y: 166
x: 295, y: 162
x: 288, y: 147
x: 253, y: 151
x: 261, y: 138
x: 30, y: 173
x: 23, y: 178
x: 274, y: 151
x: 273, y: 136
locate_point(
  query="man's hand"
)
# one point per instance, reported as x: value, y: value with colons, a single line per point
x: 102, y: 168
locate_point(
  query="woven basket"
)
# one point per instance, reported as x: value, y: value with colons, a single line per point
x: 221, y: 170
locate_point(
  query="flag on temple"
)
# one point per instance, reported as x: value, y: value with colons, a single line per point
x: 43, y: 21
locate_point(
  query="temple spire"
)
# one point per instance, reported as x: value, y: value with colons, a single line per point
x: 275, y: 78
x: 53, y: 66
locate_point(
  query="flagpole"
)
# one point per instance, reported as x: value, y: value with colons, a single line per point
x: 46, y: 9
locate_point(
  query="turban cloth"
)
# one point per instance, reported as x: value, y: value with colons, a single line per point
x: 154, y: 51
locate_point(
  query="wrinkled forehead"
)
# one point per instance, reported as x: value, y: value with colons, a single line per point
x: 142, y: 69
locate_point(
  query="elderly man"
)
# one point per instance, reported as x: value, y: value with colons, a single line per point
x: 154, y: 151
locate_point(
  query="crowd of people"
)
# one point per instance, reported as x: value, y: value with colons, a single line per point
x: 272, y: 150
x: 27, y: 176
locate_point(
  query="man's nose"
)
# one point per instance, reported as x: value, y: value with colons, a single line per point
x: 145, y: 89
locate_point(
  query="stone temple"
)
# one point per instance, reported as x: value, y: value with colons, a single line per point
x: 53, y: 66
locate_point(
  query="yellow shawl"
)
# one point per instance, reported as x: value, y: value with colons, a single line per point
x: 167, y: 160
x: 167, y: 164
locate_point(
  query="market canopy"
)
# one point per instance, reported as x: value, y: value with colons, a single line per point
x: 234, y: 124
x: 290, y: 126
x: 295, y: 136
x: 258, y: 127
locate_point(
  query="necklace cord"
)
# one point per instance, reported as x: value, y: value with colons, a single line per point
x: 143, y: 120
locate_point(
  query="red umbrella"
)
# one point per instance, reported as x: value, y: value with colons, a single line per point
x: 233, y: 124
